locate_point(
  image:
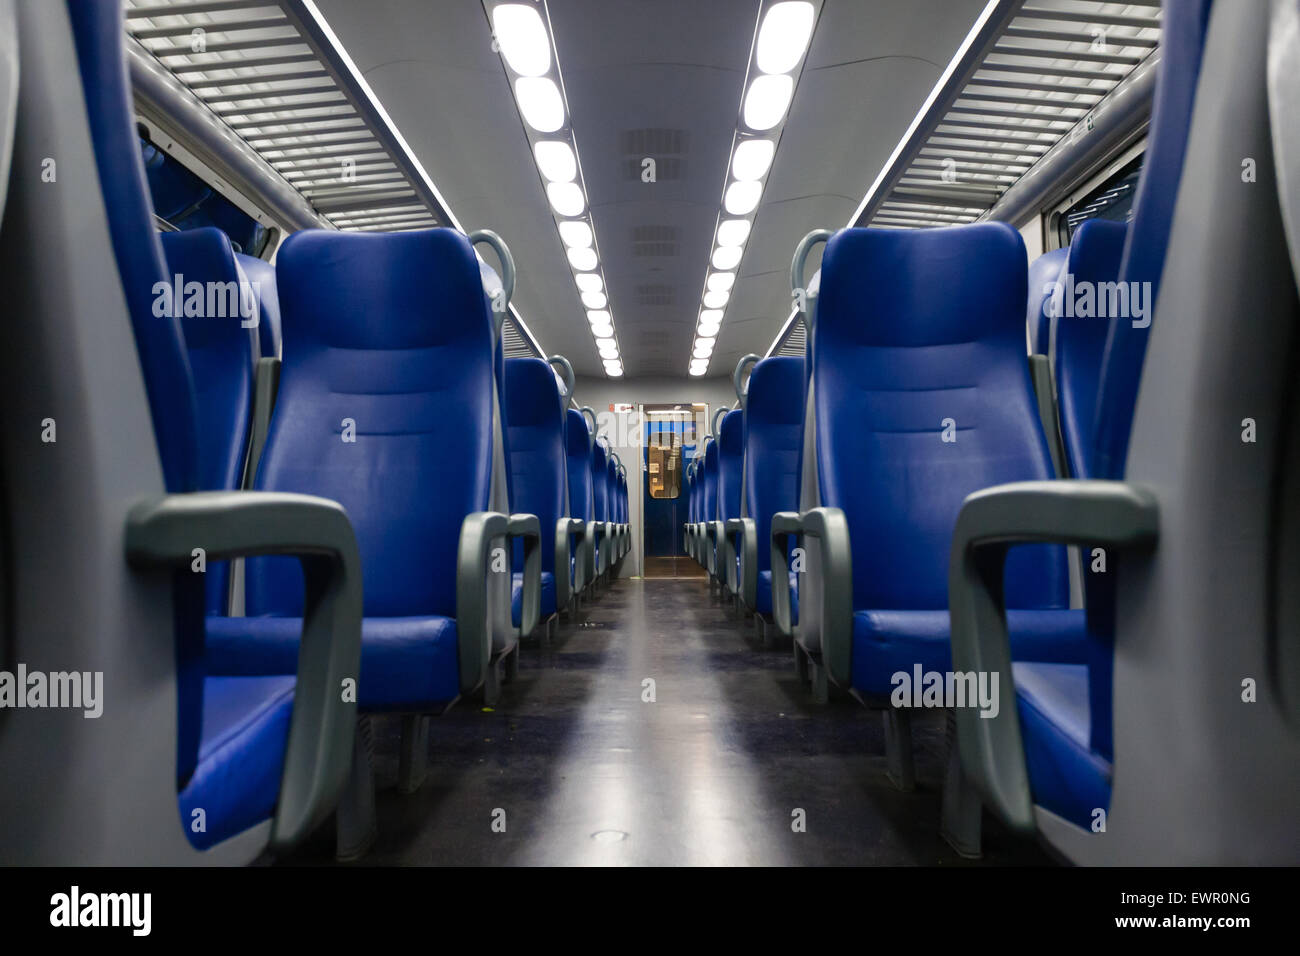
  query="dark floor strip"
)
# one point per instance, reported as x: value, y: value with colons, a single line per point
x: 656, y: 730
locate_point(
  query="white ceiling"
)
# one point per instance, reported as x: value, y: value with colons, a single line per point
x: 653, y: 65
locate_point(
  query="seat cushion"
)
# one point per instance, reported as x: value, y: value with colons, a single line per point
x: 1065, y: 776
x: 763, y: 595
x: 517, y: 596
x: 889, y: 642
x: 408, y: 664
x: 236, y: 782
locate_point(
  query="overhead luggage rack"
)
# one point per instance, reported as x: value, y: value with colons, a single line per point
x: 268, y: 72
x: 1030, y: 77
x: 272, y: 74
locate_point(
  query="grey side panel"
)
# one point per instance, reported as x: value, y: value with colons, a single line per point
x: 9, y: 70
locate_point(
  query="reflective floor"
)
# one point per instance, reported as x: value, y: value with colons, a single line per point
x: 656, y: 730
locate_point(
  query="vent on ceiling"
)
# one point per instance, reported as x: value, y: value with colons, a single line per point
x: 653, y: 141
x: 794, y: 343
x: 656, y: 294
x: 654, y: 241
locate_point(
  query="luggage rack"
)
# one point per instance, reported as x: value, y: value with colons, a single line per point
x: 1030, y: 79
x: 307, y: 130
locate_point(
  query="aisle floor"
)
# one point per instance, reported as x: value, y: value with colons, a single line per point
x: 582, y: 768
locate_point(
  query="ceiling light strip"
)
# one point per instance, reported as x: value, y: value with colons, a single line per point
x: 523, y: 36
x: 782, y: 34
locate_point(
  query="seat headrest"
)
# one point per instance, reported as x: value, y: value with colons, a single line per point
x: 576, y: 435
x: 731, y: 434
x: 342, y: 289
x: 775, y: 391
x: 532, y: 397
x: 871, y: 277
x: 1043, y: 272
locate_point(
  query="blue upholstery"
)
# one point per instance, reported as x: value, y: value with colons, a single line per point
x: 763, y: 594
x: 897, y: 354
x: 220, y: 350
x: 534, y: 419
x: 231, y: 736
x: 241, y: 755
x: 97, y: 31
x: 709, y: 486
x: 1066, y: 775
x: 1042, y: 272
x: 773, y: 438
x: 600, y: 480
x: 1182, y: 37
x: 407, y: 663
x: 886, y: 642
x: 517, y: 594
x: 611, y: 490
x: 578, y: 450
x: 1067, y: 714
x: 262, y: 274
x: 731, y: 463
x: 1081, y: 339
x: 393, y: 332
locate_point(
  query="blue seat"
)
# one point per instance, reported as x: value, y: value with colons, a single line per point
x: 220, y: 344
x: 1066, y: 713
x: 731, y: 464
x: 604, y: 546
x: 534, y: 422
x: 383, y: 334
x: 1084, y: 293
x: 262, y: 275
x: 773, y: 445
x: 1043, y: 272
x: 688, y: 528
x: 235, y: 747
x: 708, y: 504
x: 578, y: 441
x: 1103, y: 449
x: 921, y: 396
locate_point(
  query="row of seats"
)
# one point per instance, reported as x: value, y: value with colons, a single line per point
x: 327, y: 500
x: 921, y: 484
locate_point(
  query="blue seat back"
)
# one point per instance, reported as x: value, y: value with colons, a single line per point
x: 1043, y: 271
x: 774, y: 407
x: 1087, y: 301
x: 922, y: 397
x: 1182, y: 39
x: 731, y: 463
x: 97, y: 30
x: 215, y: 316
x: 387, y: 337
x: 690, y: 495
x: 534, y: 420
x: 600, y: 480
x: 578, y: 450
x: 709, y: 489
x: 262, y: 275
x: 612, y: 509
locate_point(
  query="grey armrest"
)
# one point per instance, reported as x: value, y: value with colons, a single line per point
x: 1115, y: 514
x: 529, y: 528
x: 714, y: 534
x: 830, y: 529
x: 597, y: 557
x: 231, y: 524
x: 569, y: 532
x: 745, y: 581
x: 266, y: 385
x: 473, y: 566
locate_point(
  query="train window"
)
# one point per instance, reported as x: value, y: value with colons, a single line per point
x: 1112, y: 200
x: 183, y: 201
x: 670, y: 432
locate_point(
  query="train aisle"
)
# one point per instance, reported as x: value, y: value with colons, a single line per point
x: 586, y: 762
